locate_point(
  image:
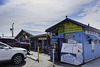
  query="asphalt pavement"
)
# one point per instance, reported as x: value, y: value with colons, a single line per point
x: 44, y: 61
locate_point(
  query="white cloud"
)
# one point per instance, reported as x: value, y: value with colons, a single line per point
x: 91, y: 15
x: 36, y: 14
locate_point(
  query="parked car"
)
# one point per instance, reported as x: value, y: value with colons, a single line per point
x: 13, y: 54
x: 15, y: 43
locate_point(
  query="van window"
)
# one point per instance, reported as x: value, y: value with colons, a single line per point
x: 3, y: 40
x: 2, y: 46
x: 12, y: 41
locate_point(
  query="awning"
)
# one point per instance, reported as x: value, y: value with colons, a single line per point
x: 92, y: 37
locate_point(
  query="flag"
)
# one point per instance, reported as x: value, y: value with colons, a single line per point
x: 26, y: 37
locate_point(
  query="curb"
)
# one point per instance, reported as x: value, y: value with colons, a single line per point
x: 33, y: 58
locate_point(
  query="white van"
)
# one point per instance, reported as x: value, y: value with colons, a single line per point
x: 13, y: 54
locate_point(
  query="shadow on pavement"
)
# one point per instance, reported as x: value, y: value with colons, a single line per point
x: 58, y: 63
x: 8, y: 64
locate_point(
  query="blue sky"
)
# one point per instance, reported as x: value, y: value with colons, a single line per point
x: 38, y: 15
x: 2, y: 2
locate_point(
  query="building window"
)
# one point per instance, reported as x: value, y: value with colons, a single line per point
x: 99, y: 41
x: 89, y: 41
x: 95, y: 41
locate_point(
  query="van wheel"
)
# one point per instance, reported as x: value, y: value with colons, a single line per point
x: 17, y: 59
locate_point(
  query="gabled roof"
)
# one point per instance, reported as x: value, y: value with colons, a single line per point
x: 41, y: 35
x: 75, y: 22
x: 32, y: 33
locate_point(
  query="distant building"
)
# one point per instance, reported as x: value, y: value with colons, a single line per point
x: 24, y: 35
x: 42, y: 41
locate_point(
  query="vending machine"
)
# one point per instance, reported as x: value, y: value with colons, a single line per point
x: 54, y: 45
x: 72, y: 50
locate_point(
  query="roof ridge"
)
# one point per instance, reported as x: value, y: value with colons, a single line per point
x: 73, y: 21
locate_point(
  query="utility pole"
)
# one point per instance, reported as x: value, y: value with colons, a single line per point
x: 12, y: 29
x: 2, y: 35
